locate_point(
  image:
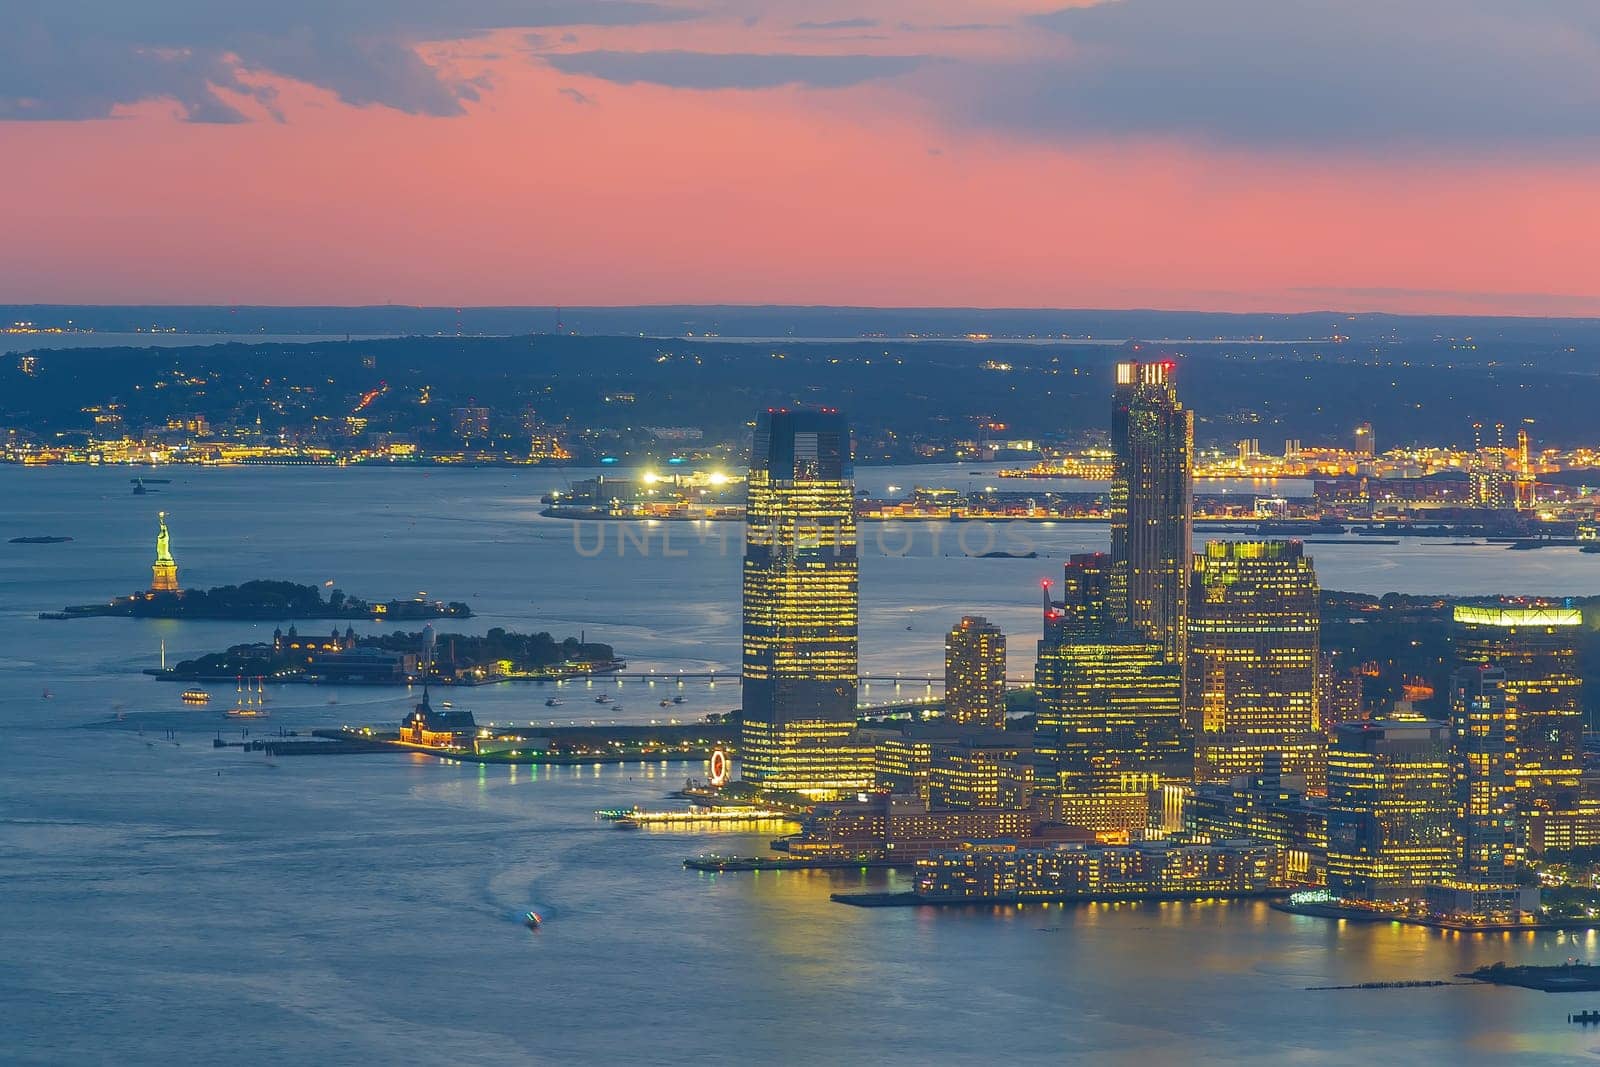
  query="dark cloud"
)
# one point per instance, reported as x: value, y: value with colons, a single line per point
x: 80, y: 59
x: 577, y: 96
x: 1465, y: 74
x: 838, y: 24
x: 718, y: 70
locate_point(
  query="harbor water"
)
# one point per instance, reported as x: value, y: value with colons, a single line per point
x: 165, y: 899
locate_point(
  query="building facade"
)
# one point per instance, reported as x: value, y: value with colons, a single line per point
x: 1487, y: 886
x: 1251, y: 687
x: 1537, y: 646
x: 800, y: 609
x: 1391, y: 810
x: 975, y: 673
x: 1152, y: 437
x: 1108, y: 708
x: 1007, y: 871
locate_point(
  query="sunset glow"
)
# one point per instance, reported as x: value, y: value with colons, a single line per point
x: 1021, y: 155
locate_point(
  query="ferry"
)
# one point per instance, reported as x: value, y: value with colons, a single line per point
x: 553, y: 703
x: 680, y: 700
x: 603, y: 698
x: 196, y: 696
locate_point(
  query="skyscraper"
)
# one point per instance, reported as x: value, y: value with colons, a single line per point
x: 975, y: 673
x: 1251, y: 671
x: 1391, y: 810
x: 800, y: 609
x: 1537, y: 646
x: 1109, y: 717
x: 1151, y: 503
x: 1483, y: 721
x: 164, y: 571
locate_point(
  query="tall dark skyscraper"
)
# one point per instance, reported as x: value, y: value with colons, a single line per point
x: 1152, y: 435
x: 800, y: 609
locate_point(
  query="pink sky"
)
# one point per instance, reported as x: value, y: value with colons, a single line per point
x: 914, y: 188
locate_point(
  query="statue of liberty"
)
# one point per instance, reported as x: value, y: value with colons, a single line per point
x: 164, y: 572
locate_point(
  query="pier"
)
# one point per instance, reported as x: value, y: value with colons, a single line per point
x: 634, y: 818
x: 720, y: 864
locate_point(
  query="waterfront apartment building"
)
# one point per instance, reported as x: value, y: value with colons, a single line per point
x: 975, y: 673
x: 1152, y: 438
x: 1537, y: 646
x: 1251, y: 686
x: 800, y: 609
x: 1391, y: 809
x: 894, y: 826
x: 1011, y: 871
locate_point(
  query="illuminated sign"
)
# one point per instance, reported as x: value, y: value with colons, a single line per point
x: 1546, y: 616
x: 719, y: 768
x: 1312, y: 896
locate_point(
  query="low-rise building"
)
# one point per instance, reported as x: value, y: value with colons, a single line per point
x: 1008, y: 871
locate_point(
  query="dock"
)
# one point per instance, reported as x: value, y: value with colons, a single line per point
x: 721, y: 864
x: 634, y: 818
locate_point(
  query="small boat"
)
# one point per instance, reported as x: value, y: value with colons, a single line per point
x: 532, y: 920
x: 603, y: 698
x: 666, y: 703
x: 553, y: 703
x: 196, y: 696
x: 679, y: 700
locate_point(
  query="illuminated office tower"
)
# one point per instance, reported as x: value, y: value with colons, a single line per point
x: 1109, y: 715
x: 799, y: 719
x: 1484, y: 725
x: 1251, y: 671
x: 1538, y: 648
x: 975, y: 673
x: 1391, y: 809
x: 1152, y: 436
x: 164, y: 571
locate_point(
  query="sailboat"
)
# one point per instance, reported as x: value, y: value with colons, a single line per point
x: 250, y: 701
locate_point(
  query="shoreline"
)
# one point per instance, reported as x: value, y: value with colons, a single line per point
x: 1333, y: 911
